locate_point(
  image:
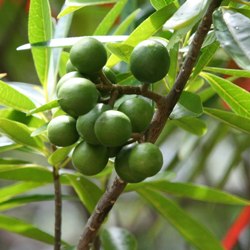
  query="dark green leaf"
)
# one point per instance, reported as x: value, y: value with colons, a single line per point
x: 115, y: 238
x: 232, y: 31
x: 192, y: 231
x: 48, y: 106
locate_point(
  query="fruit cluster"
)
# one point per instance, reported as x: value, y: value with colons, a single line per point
x: 106, y: 132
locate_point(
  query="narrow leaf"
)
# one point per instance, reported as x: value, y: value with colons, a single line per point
x: 192, y: 231
x: 59, y: 155
x: 231, y: 119
x: 11, y: 97
x: 237, y: 98
x: 48, y: 106
x: 158, y: 4
x: 231, y: 72
x: 232, y: 31
x: 40, y: 29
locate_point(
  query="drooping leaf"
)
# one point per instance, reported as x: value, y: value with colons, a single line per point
x: 10, y: 97
x: 158, y: 4
x: 73, y: 5
x: 183, y: 18
x: 107, y: 22
x: 20, y: 133
x: 190, y: 191
x: 48, y: 106
x: 237, y: 98
x: 146, y: 29
x: 59, y: 155
x: 231, y: 119
x: 40, y: 29
x: 115, y: 238
x: 232, y: 31
x: 191, y: 230
x: 87, y: 191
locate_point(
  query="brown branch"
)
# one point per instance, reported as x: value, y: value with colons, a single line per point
x: 165, y: 106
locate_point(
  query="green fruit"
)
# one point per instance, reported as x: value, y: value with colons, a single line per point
x: 109, y: 73
x: 70, y: 67
x: 122, y: 165
x: 85, y: 123
x: 89, y: 159
x: 62, y: 131
x: 113, y: 128
x: 67, y: 76
x: 149, y: 61
x: 139, y: 111
x: 77, y: 96
x: 145, y: 160
x: 88, y: 55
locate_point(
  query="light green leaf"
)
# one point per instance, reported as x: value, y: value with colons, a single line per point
x: 15, y: 189
x: 183, y: 18
x: 39, y: 131
x: 231, y: 72
x: 191, y: 124
x: 40, y: 29
x: 62, y: 63
x: 231, y: 119
x: 122, y: 51
x: 232, y: 31
x: 146, y: 29
x: 115, y: 238
x: 107, y: 22
x: 192, y: 231
x: 190, y: 191
x: 74, y: 5
x: 11, y: 97
x: 20, y: 133
x: 87, y: 191
x: 237, y: 98
x: 59, y: 155
x: 158, y: 4
x: 48, y: 106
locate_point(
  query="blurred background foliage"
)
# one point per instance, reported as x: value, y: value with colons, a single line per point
x: 220, y: 158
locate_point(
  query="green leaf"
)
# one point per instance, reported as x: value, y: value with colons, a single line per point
x: 11, y: 97
x: 18, y: 188
x: 23, y: 228
x: 183, y: 18
x: 232, y: 31
x: 146, y: 29
x: 158, y: 4
x: 20, y: 133
x: 59, y: 155
x: 115, y: 238
x: 231, y: 72
x: 192, y: 231
x: 40, y: 29
x: 190, y: 191
x: 237, y: 98
x: 107, y: 22
x: 73, y: 5
x: 88, y: 192
x: 48, y: 106
x: 191, y: 124
x: 62, y: 63
x: 231, y: 119
x: 122, y: 51
x: 39, y: 131
x: 189, y: 105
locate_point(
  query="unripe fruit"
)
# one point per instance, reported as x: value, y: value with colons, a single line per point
x: 67, y: 76
x: 89, y: 159
x: 149, y: 61
x: 122, y: 165
x: 88, y: 55
x: 69, y: 66
x: 77, y: 96
x: 62, y: 131
x: 113, y: 128
x: 139, y: 111
x: 85, y: 123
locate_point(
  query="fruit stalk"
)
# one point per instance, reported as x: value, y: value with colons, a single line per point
x: 165, y: 107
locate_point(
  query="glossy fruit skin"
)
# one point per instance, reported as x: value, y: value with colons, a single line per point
x: 88, y: 55
x: 149, y: 61
x: 66, y: 77
x: 145, y: 160
x: 113, y: 128
x: 139, y: 111
x: 77, y: 96
x: 89, y: 159
x: 62, y: 131
x: 69, y: 66
x: 122, y: 165
x: 85, y: 123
